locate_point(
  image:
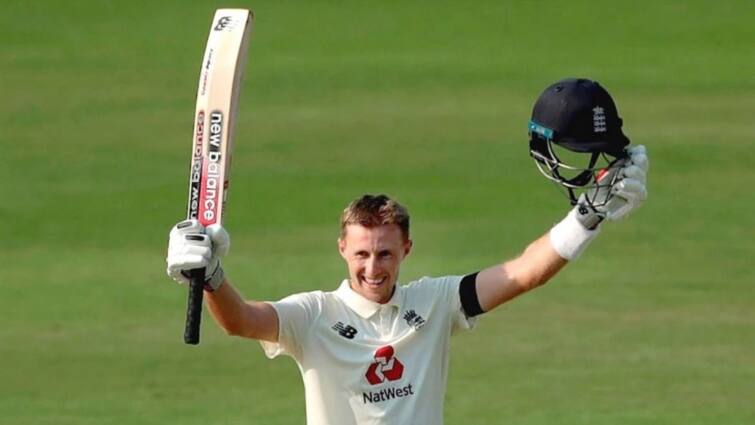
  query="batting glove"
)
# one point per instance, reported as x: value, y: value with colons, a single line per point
x: 570, y: 237
x: 192, y: 246
x: 621, y: 198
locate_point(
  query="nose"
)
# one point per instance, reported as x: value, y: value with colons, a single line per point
x: 371, y: 267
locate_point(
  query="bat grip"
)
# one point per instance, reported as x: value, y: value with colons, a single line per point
x: 194, y: 307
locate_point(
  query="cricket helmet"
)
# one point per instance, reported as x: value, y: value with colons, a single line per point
x: 576, y: 118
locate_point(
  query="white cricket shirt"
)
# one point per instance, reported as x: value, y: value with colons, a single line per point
x: 369, y: 363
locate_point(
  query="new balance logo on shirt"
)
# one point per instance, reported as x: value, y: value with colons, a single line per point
x: 346, y: 331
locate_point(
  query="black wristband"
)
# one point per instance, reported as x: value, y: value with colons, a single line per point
x: 468, y: 295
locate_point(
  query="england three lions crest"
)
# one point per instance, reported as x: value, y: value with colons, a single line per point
x: 414, y: 320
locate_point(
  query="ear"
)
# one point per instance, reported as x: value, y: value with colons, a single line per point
x: 342, y: 247
x: 408, y: 244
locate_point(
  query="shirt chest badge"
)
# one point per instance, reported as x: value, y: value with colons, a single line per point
x: 414, y: 320
x: 386, y: 366
x: 346, y: 331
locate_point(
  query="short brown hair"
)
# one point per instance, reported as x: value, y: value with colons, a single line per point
x: 375, y: 210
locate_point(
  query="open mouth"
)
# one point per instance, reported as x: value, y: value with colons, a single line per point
x: 373, y: 282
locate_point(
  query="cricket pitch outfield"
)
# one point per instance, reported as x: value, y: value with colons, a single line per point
x: 427, y: 101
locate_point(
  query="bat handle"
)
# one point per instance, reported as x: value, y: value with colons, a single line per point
x: 194, y: 307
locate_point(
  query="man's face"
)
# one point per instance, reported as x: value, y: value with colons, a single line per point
x: 373, y: 256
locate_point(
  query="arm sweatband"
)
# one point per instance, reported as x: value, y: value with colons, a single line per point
x: 569, y: 237
x: 468, y: 295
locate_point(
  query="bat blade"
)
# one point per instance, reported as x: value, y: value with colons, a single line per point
x: 220, y: 79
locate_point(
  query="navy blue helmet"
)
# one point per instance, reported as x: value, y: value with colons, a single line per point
x: 576, y: 118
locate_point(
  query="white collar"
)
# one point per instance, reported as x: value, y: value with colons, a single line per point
x: 361, y: 305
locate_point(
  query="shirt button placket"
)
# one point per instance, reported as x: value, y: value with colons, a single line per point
x: 384, y: 321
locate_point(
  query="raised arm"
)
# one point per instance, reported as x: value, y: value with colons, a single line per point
x: 250, y: 319
x: 502, y: 282
x: 191, y: 246
x: 544, y: 257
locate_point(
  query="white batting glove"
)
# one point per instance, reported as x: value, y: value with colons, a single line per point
x: 192, y: 246
x: 630, y: 191
x: 624, y: 196
x: 572, y: 235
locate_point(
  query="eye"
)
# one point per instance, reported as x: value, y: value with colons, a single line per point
x: 361, y: 254
x: 385, y: 254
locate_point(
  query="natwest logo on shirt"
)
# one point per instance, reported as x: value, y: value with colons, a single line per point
x: 386, y: 366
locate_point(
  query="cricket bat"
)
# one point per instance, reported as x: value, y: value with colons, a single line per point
x: 217, y: 101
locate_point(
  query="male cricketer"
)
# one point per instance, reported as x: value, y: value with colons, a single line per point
x: 376, y: 352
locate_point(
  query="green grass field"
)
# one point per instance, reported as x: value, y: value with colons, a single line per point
x: 427, y: 101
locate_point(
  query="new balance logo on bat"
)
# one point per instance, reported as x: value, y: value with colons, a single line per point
x: 225, y: 23
x: 195, y: 176
x: 214, y: 165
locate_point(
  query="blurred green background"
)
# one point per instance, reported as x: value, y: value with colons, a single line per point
x: 426, y: 101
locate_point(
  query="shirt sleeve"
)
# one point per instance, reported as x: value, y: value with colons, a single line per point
x: 459, y: 319
x: 445, y: 291
x: 296, y: 314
